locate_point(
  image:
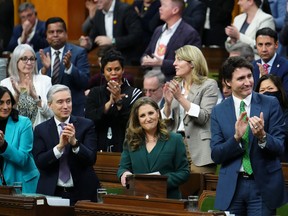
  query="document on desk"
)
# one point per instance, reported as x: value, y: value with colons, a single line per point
x: 57, y: 201
x: 153, y: 173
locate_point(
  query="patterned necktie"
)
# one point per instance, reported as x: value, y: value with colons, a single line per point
x: 56, y: 68
x: 64, y: 171
x: 245, y: 139
x: 266, y: 66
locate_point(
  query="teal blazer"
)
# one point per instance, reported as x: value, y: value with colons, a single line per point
x: 167, y: 157
x: 19, y: 165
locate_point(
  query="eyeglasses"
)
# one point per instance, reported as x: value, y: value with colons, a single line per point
x: 25, y: 59
x: 150, y: 90
x: 28, y: 16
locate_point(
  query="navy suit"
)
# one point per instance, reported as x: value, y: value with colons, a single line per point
x: 265, y: 162
x: 78, y: 80
x: 38, y: 41
x: 81, y: 164
x: 184, y: 35
x: 279, y: 68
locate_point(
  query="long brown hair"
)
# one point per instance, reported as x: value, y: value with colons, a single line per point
x: 135, y: 135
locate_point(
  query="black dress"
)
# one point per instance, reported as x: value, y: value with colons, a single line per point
x: 110, y: 127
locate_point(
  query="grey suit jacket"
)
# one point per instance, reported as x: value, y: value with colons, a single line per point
x: 197, y: 129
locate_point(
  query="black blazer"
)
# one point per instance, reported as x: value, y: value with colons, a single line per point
x: 127, y: 30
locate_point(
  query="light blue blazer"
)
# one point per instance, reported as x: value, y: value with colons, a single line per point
x: 19, y: 165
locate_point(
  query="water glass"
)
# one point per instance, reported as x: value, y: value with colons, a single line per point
x: 17, y: 187
x: 193, y: 203
x: 100, y: 193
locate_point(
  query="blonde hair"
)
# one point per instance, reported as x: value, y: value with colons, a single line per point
x: 192, y: 54
x: 135, y: 135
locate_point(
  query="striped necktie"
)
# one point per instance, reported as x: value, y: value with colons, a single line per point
x: 56, y: 68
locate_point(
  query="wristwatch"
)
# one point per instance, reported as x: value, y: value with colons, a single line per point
x: 263, y: 139
x: 119, y: 102
x: 77, y: 144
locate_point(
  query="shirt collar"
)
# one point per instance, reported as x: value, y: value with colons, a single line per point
x: 58, y: 122
x: 53, y: 51
x: 246, y: 100
x: 270, y: 63
x: 173, y: 27
x: 111, y: 9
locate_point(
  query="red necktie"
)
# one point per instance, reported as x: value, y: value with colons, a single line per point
x: 266, y: 66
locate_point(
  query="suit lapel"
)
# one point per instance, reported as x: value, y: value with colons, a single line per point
x: 155, y: 152
x: 194, y: 91
x: 254, y: 111
x: 10, y: 131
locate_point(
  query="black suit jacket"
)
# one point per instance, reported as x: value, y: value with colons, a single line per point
x: 195, y: 14
x: 127, y: 30
x: 80, y: 164
x: 220, y: 17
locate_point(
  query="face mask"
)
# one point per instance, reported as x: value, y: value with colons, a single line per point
x: 276, y: 94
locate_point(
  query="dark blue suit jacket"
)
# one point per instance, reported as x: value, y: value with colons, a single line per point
x: 81, y: 164
x: 184, y: 35
x: 38, y: 41
x: 77, y: 81
x: 279, y: 68
x: 265, y: 162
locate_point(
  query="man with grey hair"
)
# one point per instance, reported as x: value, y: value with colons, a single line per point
x: 242, y: 49
x: 153, y: 86
x: 31, y: 30
x: 65, y: 151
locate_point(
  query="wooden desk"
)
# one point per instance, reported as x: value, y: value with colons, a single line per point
x: 124, y: 206
x: 31, y: 206
x: 106, y: 168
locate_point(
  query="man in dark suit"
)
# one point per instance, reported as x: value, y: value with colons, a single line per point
x: 267, y: 44
x: 66, y: 139
x: 167, y: 38
x: 73, y: 70
x: 195, y: 14
x: 31, y: 30
x: 115, y: 23
x: 219, y: 16
x: 247, y: 140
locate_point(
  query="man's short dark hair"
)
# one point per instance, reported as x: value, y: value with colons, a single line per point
x: 52, y: 20
x: 267, y: 32
x: 232, y: 63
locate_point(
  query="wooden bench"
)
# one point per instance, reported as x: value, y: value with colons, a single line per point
x: 209, y: 181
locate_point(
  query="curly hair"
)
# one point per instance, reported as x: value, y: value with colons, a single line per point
x: 135, y: 134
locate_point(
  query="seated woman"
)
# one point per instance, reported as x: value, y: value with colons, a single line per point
x: 28, y: 87
x: 16, y: 141
x: 109, y: 105
x: 272, y: 85
x: 149, y: 147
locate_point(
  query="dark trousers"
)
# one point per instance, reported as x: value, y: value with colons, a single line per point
x: 247, y: 200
